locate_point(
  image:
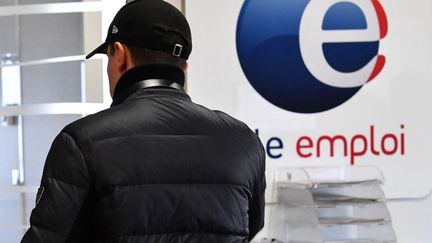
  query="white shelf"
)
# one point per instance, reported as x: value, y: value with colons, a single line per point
x: 18, y: 189
x: 52, y: 109
x: 50, y: 61
x: 14, y: 227
x: 51, y: 8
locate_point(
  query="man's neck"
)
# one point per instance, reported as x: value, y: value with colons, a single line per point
x: 144, y: 72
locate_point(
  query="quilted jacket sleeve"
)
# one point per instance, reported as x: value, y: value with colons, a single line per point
x: 257, y: 204
x: 64, y: 186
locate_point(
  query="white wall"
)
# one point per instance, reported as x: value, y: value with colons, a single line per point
x: 400, y: 95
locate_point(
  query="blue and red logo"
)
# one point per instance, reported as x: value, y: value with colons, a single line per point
x: 310, y: 56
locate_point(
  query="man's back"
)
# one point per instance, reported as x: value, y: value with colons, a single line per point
x: 155, y: 167
x: 159, y: 168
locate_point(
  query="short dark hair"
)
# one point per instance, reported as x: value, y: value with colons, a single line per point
x: 141, y: 55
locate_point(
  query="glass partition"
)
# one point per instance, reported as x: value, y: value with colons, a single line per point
x: 45, y: 84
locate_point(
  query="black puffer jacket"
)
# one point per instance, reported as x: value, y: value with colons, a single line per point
x: 155, y: 167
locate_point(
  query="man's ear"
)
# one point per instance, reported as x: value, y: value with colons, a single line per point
x: 125, y: 61
x: 120, y: 57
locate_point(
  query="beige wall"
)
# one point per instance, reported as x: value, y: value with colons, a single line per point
x: 177, y: 3
x: 94, y: 67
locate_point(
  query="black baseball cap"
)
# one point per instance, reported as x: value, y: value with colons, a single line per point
x: 146, y: 23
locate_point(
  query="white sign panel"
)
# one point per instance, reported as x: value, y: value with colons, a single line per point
x: 325, y: 83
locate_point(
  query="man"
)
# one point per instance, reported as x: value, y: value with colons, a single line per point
x: 155, y: 167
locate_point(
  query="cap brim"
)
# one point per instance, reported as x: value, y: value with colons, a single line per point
x: 99, y: 50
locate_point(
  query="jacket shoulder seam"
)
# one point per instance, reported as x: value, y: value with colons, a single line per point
x: 80, y: 150
x: 66, y: 182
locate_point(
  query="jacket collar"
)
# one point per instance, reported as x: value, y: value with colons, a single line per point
x: 127, y: 83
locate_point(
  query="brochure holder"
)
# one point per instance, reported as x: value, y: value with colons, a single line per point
x: 329, y: 205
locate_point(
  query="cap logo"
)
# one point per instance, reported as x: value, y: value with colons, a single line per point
x: 114, y: 30
x: 177, y: 50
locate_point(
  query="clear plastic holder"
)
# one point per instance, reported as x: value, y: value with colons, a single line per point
x: 270, y: 240
x: 325, y: 183
x: 288, y: 222
x: 294, y: 195
x: 370, y: 232
x: 331, y: 175
x: 293, y: 216
x: 289, y: 232
x: 303, y: 233
x: 325, y: 176
x: 360, y: 241
x: 352, y: 213
x: 282, y: 214
x: 368, y: 190
x: 336, y: 204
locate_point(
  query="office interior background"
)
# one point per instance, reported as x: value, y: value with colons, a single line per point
x: 383, y: 130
